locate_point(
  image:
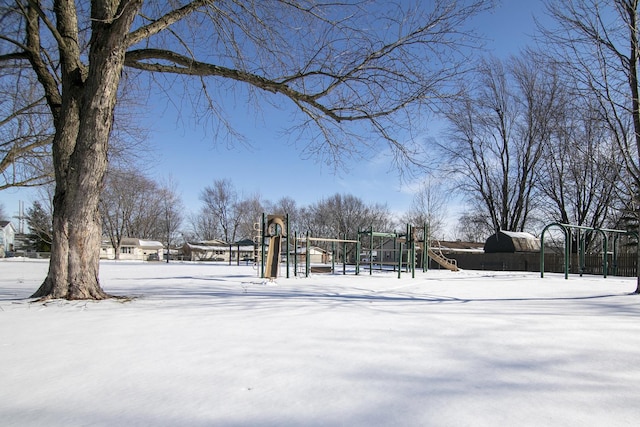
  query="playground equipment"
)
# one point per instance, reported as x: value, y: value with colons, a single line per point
x: 582, y: 232
x: 396, y: 251
x: 273, y: 229
x: 383, y: 250
x: 448, y: 263
x: 409, y: 250
x: 334, y: 255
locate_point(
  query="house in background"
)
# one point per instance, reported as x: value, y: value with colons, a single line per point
x: 217, y: 250
x: 132, y: 249
x: 317, y: 255
x: 7, y: 238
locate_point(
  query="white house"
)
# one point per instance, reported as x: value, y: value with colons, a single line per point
x: 215, y: 250
x: 317, y: 255
x: 7, y: 237
x: 133, y: 249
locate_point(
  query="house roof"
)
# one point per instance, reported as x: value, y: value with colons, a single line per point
x: 312, y: 250
x: 212, y: 242
x: 129, y: 241
x: 205, y: 248
x: 150, y: 244
x: 244, y: 242
x: 458, y: 246
x: 3, y: 224
x: 138, y: 243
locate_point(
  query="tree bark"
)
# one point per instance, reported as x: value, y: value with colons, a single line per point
x: 80, y: 149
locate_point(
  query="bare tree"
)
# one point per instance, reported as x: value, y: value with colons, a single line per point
x: 581, y: 173
x: 2, y: 214
x: 203, y: 226
x: 285, y: 205
x: 428, y: 207
x: 497, y: 135
x: 336, y: 62
x: 473, y: 227
x: 26, y: 134
x: 340, y: 216
x: 146, y: 221
x: 26, y: 127
x: 597, y: 42
x: 250, y: 209
x: 129, y: 207
x: 226, y: 215
x: 221, y: 200
x: 171, y: 213
x: 344, y: 215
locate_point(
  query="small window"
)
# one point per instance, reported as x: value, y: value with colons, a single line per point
x: 126, y: 250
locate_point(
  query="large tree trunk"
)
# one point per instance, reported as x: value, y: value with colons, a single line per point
x: 77, y: 228
x: 80, y: 151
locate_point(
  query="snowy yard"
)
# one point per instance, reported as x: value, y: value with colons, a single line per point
x: 205, y: 345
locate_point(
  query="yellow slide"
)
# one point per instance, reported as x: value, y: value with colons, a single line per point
x: 273, y: 257
x: 449, y: 264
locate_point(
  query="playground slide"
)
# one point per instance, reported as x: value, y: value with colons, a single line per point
x: 273, y: 257
x: 445, y: 262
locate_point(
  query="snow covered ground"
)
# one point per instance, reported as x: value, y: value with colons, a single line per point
x: 205, y: 345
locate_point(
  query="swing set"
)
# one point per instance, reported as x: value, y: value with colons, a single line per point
x: 604, y: 233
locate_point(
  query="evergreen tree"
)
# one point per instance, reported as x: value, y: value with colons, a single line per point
x: 41, y: 227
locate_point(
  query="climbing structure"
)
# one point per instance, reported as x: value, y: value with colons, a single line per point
x: 274, y: 228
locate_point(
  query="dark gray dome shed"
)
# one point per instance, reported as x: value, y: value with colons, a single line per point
x: 511, y: 241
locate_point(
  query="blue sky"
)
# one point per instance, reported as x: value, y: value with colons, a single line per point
x: 273, y: 168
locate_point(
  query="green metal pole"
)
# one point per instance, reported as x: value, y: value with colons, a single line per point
x: 262, y: 244
x: 605, y: 255
x: 358, y: 247
x: 333, y: 257
x: 400, y: 259
x: 424, y: 247
x: 542, y: 253
x: 410, y: 258
x: 582, y: 237
x: 395, y: 251
x: 344, y: 255
x: 371, y: 250
x: 427, y: 242
x: 308, y: 257
x: 567, y: 252
x: 413, y: 258
x: 288, y: 247
x: 295, y: 253
x: 615, y: 253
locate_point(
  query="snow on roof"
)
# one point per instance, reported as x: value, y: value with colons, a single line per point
x: 149, y: 244
x: 458, y: 246
x: 204, y: 248
x: 518, y: 234
x: 133, y: 242
x: 300, y: 250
